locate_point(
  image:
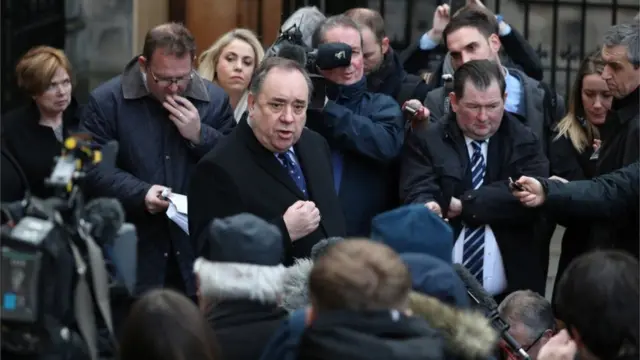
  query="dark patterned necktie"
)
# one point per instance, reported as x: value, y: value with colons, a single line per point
x: 290, y: 164
x: 473, y: 246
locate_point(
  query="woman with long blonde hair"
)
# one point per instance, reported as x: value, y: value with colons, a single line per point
x: 576, y: 143
x: 230, y: 63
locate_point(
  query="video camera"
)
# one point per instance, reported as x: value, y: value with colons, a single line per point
x: 52, y: 261
x: 326, y: 57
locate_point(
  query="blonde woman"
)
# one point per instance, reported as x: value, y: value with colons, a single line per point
x: 574, y: 146
x: 230, y: 63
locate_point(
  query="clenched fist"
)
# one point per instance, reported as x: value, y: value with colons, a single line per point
x: 301, y: 219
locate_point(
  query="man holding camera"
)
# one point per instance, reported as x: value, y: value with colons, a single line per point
x: 364, y: 130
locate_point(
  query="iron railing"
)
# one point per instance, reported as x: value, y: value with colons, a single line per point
x: 559, y: 63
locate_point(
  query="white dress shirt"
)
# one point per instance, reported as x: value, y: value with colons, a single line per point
x: 494, y: 277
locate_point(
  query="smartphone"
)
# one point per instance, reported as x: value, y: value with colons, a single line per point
x: 514, y: 185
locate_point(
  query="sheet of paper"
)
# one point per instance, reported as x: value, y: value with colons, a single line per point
x: 181, y: 203
x: 178, y: 211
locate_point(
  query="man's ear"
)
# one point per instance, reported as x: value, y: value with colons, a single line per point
x: 494, y: 43
x: 504, y: 97
x: 251, y: 101
x: 454, y: 101
x: 142, y: 61
x: 385, y: 45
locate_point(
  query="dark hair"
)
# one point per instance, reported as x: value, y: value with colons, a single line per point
x: 165, y: 324
x: 480, y: 73
x: 472, y: 16
x: 333, y: 22
x: 172, y: 37
x: 597, y: 296
x: 369, y: 18
x: 269, y: 63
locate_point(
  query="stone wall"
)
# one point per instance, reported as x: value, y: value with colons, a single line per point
x: 99, y: 42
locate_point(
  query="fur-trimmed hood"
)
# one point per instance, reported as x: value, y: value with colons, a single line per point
x: 467, y: 334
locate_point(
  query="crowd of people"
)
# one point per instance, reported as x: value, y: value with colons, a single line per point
x: 482, y: 171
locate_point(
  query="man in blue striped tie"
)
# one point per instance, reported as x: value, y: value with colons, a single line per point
x: 460, y: 166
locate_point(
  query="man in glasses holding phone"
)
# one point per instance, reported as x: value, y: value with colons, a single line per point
x: 165, y: 117
x: 530, y: 318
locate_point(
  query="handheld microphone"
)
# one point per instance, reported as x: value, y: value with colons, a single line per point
x: 477, y: 293
x: 105, y: 218
x: 331, y: 55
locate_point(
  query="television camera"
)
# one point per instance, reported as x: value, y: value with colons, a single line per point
x: 52, y: 260
x: 327, y: 56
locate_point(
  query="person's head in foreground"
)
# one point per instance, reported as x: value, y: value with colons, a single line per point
x: 597, y: 299
x: 164, y: 324
x: 359, y: 275
x: 530, y: 318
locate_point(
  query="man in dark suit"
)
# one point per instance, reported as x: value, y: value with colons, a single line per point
x: 270, y: 166
x: 459, y: 168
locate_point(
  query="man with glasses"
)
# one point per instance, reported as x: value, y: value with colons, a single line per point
x: 530, y: 318
x: 165, y: 118
x: 460, y: 169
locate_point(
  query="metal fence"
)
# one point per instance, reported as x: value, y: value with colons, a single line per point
x: 562, y: 31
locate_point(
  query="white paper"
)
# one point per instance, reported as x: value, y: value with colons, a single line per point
x: 178, y: 211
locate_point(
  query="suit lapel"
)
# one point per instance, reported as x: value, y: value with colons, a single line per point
x: 306, y: 152
x: 266, y: 159
x: 459, y: 143
x: 493, y: 159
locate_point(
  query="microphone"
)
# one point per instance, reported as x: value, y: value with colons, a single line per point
x: 293, y: 52
x: 323, y: 245
x: 477, y: 293
x: 105, y: 218
x: 284, y: 286
x: 331, y: 55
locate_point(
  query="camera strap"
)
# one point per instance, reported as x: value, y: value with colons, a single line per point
x: 83, y: 304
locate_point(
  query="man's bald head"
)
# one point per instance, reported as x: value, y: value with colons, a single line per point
x: 173, y: 38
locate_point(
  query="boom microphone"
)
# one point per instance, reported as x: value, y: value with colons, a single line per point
x: 105, y: 218
x: 477, y: 293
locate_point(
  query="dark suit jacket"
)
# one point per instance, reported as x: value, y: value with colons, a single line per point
x: 240, y: 175
x: 436, y: 167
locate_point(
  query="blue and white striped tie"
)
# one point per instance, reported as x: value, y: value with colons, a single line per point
x: 473, y: 246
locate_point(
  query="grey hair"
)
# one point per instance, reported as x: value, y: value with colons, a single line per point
x: 627, y: 35
x: 308, y: 19
x: 270, y: 63
x: 334, y: 22
x: 529, y: 309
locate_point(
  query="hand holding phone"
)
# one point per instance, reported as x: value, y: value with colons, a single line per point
x: 514, y: 186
